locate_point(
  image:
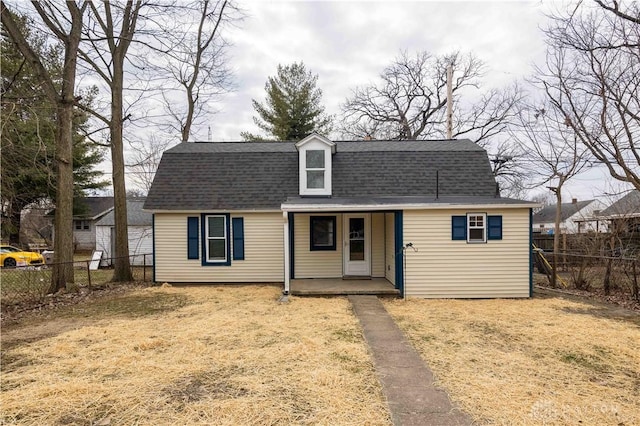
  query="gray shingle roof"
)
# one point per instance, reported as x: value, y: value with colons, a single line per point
x: 89, y: 207
x: 135, y: 215
x: 627, y: 205
x: 262, y: 175
x: 548, y: 213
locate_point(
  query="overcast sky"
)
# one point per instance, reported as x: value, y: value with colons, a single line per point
x: 349, y: 43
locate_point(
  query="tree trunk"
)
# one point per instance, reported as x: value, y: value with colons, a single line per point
x: 556, y: 235
x: 122, y: 268
x: 62, y: 274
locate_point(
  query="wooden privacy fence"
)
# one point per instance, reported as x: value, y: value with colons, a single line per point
x: 31, y: 283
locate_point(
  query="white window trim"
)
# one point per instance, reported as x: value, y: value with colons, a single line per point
x: 483, y: 227
x: 208, y: 258
x: 315, y: 143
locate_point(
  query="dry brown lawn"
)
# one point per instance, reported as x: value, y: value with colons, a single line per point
x: 529, y: 362
x: 188, y: 356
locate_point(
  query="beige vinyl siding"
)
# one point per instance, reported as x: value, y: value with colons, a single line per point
x: 377, y: 245
x: 443, y: 268
x: 390, y: 245
x: 263, y: 251
x: 319, y: 263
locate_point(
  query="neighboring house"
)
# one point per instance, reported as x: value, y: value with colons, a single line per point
x: 624, y: 214
x: 87, y: 211
x: 576, y: 217
x: 139, y: 230
x: 238, y: 212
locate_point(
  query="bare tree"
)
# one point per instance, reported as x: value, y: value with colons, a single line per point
x: 592, y: 76
x: 506, y: 165
x: 144, y: 161
x: 410, y: 101
x: 66, y: 26
x: 195, y: 62
x: 555, y: 155
x: 108, y: 34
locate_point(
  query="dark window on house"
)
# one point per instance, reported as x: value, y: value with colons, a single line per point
x: 323, y: 233
x: 81, y: 225
x: 476, y: 227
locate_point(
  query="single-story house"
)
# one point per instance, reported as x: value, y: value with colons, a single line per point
x: 423, y: 215
x: 624, y: 214
x: 139, y: 230
x: 576, y: 217
x: 86, y: 212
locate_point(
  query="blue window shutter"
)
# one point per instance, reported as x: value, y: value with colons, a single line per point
x: 193, y: 231
x: 458, y: 227
x: 494, y: 227
x: 237, y: 224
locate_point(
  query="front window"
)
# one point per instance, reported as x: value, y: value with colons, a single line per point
x: 315, y: 169
x: 476, y: 227
x: 323, y: 233
x: 216, y: 238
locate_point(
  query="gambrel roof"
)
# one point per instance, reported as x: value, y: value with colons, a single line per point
x: 263, y: 175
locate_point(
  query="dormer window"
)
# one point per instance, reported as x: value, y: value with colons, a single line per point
x: 315, y: 169
x: 314, y: 157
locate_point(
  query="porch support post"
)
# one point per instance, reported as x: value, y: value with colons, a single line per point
x: 399, y: 245
x: 287, y: 260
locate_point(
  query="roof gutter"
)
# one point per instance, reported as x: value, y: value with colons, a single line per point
x: 383, y: 207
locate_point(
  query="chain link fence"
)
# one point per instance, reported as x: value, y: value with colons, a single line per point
x: 30, y: 284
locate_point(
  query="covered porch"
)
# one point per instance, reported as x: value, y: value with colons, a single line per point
x: 336, y: 247
x: 340, y: 286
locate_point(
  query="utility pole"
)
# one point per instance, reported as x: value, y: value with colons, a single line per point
x: 450, y: 102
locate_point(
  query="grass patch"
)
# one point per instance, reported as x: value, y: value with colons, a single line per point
x: 528, y: 362
x: 132, y: 306
x: 193, y: 355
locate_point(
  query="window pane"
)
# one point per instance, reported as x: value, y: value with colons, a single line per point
x: 216, y: 226
x: 323, y: 232
x: 315, y: 159
x: 356, y: 250
x: 217, y: 250
x: 315, y: 179
x: 476, y: 234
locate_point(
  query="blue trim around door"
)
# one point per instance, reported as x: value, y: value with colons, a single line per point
x: 398, y: 249
x: 292, y: 251
x: 530, y: 252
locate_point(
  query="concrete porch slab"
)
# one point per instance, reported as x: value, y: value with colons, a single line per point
x: 341, y: 287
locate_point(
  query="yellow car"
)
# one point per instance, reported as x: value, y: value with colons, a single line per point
x: 10, y: 257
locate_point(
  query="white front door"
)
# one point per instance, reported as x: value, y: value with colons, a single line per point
x: 357, y: 244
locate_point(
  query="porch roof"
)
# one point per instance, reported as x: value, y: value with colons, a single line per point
x: 305, y: 204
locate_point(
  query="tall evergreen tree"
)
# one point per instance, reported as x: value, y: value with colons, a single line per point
x: 292, y: 109
x: 29, y: 128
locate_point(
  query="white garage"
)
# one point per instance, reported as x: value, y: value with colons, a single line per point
x: 140, y: 233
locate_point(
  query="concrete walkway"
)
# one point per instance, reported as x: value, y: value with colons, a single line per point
x: 406, y: 380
